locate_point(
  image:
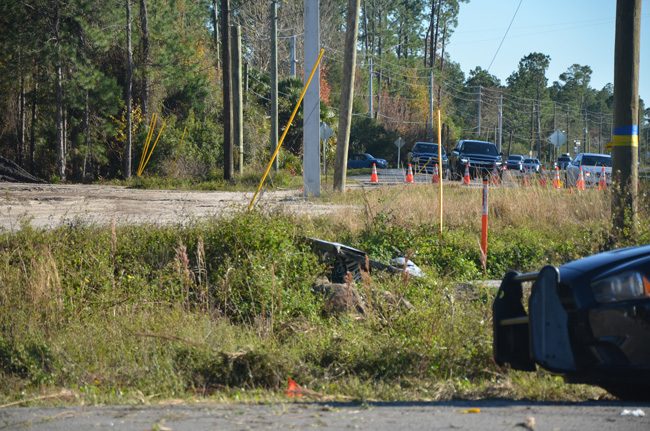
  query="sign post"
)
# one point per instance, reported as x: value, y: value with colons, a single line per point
x: 326, y: 132
x: 399, y: 143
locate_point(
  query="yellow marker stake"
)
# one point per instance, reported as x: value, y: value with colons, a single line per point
x: 183, y: 137
x: 286, y: 129
x: 154, y: 145
x: 440, y: 168
x: 145, y: 147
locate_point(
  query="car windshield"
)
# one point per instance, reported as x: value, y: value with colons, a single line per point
x: 515, y: 158
x: 368, y: 156
x: 530, y: 161
x: 426, y: 148
x: 480, y: 148
x: 596, y: 161
x: 564, y: 159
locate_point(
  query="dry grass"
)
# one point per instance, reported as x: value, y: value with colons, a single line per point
x: 509, y: 206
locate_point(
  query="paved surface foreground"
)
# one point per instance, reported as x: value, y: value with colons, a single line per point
x: 493, y: 415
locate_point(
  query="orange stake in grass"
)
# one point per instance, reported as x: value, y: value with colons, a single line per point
x: 484, y: 221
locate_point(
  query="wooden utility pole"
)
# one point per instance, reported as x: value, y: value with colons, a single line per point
x: 625, y: 141
x: 274, y: 80
x: 238, y: 105
x: 227, y: 97
x: 347, y: 93
x: 129, y: 88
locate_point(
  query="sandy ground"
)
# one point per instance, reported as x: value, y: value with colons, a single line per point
x: 53, y: 205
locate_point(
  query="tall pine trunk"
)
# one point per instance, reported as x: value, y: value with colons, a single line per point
x: 32, y: 131
x: 215, y: 25
x: 129, y: 87
x: 86, y: 138
x: 21, y: 118
x: 60, y: 142
x: 144, y: 28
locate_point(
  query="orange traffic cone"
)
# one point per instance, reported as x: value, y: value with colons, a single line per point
x: 374, y: 178
x: 557, y: 184
x: 293, y: 388
x: 494, y: 177
x: 466, y: 178
x: 526, y: 179
x: 409, y: 175
x: 580, y: 184
x: 602, y: 182
x: 435, y: 178
x: 542, y: 177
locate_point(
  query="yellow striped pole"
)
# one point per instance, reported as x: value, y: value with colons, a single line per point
x: 145, y: 147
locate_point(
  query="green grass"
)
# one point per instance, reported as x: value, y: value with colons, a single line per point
x: 224, y: 308
x: 249, y: 181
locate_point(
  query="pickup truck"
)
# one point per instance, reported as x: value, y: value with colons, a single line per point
x: 481, y: 156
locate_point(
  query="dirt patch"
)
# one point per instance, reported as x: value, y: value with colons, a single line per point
x: 47, y: 205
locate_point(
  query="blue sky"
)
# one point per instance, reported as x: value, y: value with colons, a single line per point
x: 570, y: 31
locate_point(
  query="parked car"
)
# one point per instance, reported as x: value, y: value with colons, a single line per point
x: 424, y: 156
x: 365, y: 160
x: 515, y: 162
x: 587, y: 320
x: 482, y: 157
x: 531, y: 166
x: 563, y: 161
x: 592, y: 167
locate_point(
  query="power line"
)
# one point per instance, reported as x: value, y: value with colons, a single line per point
x: 505, y: 34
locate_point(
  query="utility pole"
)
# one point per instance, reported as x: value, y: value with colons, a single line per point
x: 370, y: 92
x: 479, y: 112
x: 539, y: 129
x: 311, y: 105
x: 600, y: 134
x: 625, y: 174
x: 567, y: 131
x: 274, y: 80
x: 500, y: 124
x: 238, y: 105
x: 431, y: 120
x: 226, y: 73
x: 552, y: 152
x: 585, y: 144
x: 293, y: 56
x: 532, y: 128
x: 245, y: 82
x: 347, y: 93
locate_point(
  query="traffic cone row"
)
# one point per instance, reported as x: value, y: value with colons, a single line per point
x: 435, y: 178
x: 374, y: 178
x: 542, y: 178
x: 602, y: 182
x: 466, y: 179
x: 409, y: 175
x: 580, y: 184
x: 556, y: 181
x: 494, y: 177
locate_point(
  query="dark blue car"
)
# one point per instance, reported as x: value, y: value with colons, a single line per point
x: 365, y: 160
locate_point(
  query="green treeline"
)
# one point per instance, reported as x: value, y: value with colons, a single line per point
x: 64, y: 67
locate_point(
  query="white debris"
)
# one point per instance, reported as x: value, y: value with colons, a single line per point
x: 636, y: 412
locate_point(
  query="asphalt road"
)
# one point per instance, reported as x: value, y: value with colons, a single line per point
x: 464, y: 415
